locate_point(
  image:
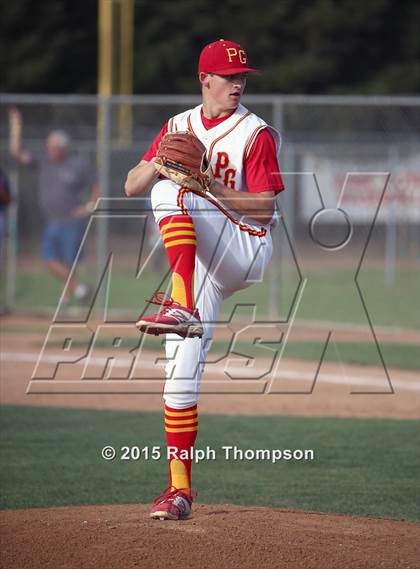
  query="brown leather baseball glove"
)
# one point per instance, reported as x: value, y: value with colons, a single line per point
x: 181, y: 157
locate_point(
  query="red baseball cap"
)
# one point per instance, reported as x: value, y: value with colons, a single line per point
x: 223, y: 57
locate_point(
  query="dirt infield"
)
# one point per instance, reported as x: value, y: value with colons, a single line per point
x: 333, y: 394
x: 222, y: 536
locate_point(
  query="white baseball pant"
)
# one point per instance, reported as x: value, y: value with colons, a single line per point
x: 228, y: 259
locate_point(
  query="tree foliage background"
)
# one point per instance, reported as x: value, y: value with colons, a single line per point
x: 319, y: 46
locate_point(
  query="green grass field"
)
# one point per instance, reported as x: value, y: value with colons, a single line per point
x: 330, y: 295
x: 51, y: 457
x: 403, y: 356
x: 397, y: 355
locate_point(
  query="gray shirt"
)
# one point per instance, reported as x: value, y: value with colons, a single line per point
x: 63, y: 186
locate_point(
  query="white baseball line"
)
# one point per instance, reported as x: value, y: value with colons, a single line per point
x: 412, y: 384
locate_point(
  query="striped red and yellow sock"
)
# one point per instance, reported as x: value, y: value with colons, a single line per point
x: 181, y: 427
x: 179, y: 239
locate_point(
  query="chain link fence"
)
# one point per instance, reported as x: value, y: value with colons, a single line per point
x: 359, y: 153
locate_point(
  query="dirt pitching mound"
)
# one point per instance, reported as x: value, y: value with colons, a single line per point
x: 221, y: 536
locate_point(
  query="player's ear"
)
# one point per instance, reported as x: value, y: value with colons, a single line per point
x: 204, y: 79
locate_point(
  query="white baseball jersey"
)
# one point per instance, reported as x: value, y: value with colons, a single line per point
x: 228, y: 144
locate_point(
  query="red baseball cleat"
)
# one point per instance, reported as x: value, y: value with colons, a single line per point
x: 172, y: 319
x: 172, y: 505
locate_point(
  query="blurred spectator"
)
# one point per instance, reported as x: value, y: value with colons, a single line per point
x: 4, y: 202
x: 64, y: 180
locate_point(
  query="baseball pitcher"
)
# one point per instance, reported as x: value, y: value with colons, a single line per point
x: 213, y: 175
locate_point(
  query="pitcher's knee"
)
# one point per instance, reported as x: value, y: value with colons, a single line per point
x: 164, y: 199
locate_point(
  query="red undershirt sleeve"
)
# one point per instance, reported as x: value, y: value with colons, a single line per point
x: 261, y: 168
x: 151, y: 153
